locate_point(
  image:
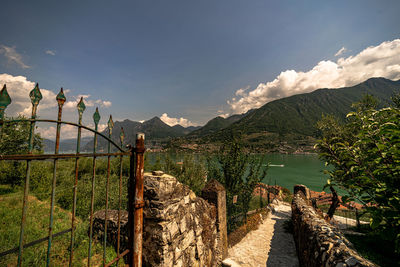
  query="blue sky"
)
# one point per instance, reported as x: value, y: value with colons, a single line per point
x: 188, y: 58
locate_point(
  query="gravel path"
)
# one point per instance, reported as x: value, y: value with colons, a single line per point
x: 269, y: 245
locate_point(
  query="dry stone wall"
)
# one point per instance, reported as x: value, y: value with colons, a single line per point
x: 180, y: 229
x: 319, y: 243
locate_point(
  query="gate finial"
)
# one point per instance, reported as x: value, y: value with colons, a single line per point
x: 81, y: 108
x: 110, y: 124
x: 35, y: 95
x: 61, y: 98
x: 96, y: 118
x: 5, y: 100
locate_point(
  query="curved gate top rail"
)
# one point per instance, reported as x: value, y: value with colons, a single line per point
x: 136, y: 175
x: 36, y: 96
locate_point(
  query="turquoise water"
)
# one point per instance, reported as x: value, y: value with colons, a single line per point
x: 289, y: 170
x: 286, y: 170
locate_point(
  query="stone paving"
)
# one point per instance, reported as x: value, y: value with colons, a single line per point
x: 269, y: 245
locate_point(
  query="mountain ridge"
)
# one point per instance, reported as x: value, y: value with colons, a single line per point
x: 291, y: 121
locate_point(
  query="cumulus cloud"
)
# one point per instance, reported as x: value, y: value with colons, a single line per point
x: 341, y: 51
x: 13, y: 56
x: 67, y: 131
x: 382, y: 60
x: 50, y: 52
x: 174, y: 121
x: 222, y: 114
x: 19, y: 87
x: 71, y: 104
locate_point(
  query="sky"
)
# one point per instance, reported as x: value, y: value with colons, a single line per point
x: 189, y: 61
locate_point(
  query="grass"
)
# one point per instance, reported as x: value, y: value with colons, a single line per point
x: 37, y: 227
x: 374, y: 248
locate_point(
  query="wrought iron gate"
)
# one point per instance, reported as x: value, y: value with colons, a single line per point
x: 135, y: 182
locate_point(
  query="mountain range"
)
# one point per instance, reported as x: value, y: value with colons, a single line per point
x: 156, y: 133
x: 289, y: 123
x: 283, y: 125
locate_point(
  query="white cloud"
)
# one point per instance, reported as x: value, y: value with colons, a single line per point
x: 13, y: 56
x: 341, y: 51
x: 222, y: 114
x: 50, y: 52
x: 18, y: 88
x: 174, y: 121
x: 71, y: 104
x: 67, y: 131
x: 382, y: 60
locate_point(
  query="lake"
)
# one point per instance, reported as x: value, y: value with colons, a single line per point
x: 286, y: 169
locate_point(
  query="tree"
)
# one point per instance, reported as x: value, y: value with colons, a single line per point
x: 365, y: 155
x: 191, y: 171
x: 239, y: 173
x: 14, y: 140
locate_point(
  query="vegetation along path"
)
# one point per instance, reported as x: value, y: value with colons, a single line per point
x: 269, y: 245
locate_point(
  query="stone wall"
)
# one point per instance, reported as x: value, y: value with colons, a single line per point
x: 180, y: 229
x: 318, y: 243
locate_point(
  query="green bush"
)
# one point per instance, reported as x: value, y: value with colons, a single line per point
x: 239, y: 173
x: 365, y: 155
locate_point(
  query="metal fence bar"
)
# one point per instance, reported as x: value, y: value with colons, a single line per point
x: 35, y: 242
x: 121, y: 138
x: 69, y: 123
x: 110, y: 127
x: 60, y: 156
x: 96, y: 119
x: 117, y: 258
x: 135, y: 206
x: 60, y: 99
x: 136, y: 203
x: 35, y: 96
x: 81, y: 108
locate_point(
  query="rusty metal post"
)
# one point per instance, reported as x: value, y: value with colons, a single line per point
x: 136, y: 202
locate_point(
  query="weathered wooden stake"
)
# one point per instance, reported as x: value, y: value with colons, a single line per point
x: 136, y: 202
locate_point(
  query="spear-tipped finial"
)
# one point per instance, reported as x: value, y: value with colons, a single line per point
x: 35, y: 95
x: 61, y: 98
x: 5, y: 100
x: 110, y: 123
x: 96, y: 117
x: 81, y: 107
x: 122, y: 135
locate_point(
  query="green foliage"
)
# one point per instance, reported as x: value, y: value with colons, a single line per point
x: 14, y: 140
x: 191, y: 171
x: 365, y: 154
x: 37, y: 227
x: 376, y: 249
x: 239, y: 173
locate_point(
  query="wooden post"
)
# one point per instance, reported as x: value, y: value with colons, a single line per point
x: 136, y: 202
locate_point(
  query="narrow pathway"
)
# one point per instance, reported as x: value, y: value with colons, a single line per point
x: 269, y: 245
